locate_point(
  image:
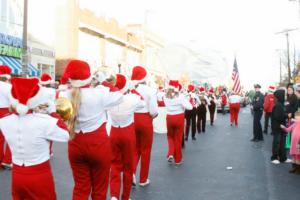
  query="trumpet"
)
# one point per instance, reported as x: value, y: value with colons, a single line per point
x: 64, y: 108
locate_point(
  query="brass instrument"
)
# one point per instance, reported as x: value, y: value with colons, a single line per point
x: 64, y: 108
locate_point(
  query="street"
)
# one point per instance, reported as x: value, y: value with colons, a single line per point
x: 204, y: 174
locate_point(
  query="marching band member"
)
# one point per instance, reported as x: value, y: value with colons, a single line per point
x: 175, y: 104
x: 63, y: 86
x: 29, y: 141
x: 46, y: 81
x: 160, y: 96
x: 143, y: 119
x: 89, y: 150
x: 159, y: 123
x: 122, y: 138
x: 98, y: 78
x: 190, y: 115
x: 201, y: 111
x: 234, y: 108
x: 5, y: 87
x: 212, y: 106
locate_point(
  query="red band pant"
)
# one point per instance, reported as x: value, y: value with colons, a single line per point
x: 234, y: 109
x: 144, y: 139
x: 33, y: 182
x: 123, y: 145
x: 90, y: 159
x: 175, y: 127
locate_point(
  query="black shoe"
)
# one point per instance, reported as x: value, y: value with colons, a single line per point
x: 193, y: 138
x: 266, y: 132
x: 186, y: 139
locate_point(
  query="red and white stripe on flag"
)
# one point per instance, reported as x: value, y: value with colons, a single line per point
x: 236, y: 78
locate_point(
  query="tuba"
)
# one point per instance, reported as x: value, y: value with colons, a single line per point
x: 64, y: 108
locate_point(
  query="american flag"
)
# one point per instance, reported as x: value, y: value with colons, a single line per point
x: 236, y: 78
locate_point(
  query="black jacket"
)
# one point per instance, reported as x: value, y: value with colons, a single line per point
x: 292, y: 104
x: 278, y: 116
x: 258, y: 101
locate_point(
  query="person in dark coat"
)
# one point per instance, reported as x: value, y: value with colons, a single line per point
x: 212, y: 109
x: 258, y: 105
x: 201, y: 115
x: 191, y: 115
x: 278, y: 118
x: 291, y: 105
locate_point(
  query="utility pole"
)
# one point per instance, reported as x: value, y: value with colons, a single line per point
x: 286, y: 32
x: 25, y: 56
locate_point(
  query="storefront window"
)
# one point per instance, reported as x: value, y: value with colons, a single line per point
x: 44, y: 68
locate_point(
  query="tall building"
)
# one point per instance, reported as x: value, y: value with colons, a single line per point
x: 81, y: 34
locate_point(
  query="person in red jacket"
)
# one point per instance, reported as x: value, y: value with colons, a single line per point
x: 223, y: 102
x: 268, y: 107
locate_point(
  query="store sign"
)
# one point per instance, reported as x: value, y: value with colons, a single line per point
x: 10, y: 46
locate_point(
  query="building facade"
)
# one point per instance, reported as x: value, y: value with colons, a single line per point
x: 80, y: 34
x: 104, y: 44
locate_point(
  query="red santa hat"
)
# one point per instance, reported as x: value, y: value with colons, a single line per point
x: 46, y: 79
x: 26, y: 94
x: 122, y: 83
x: 5, y: 71
x: 78, y: 72
x: 63, y: 83
x: 139, y: 74
x: 179, y: 87
x: 272, y: 89
x: 174, y: 84
x: 211, y: 91
x: 201, y: 89
x: 191, y: 88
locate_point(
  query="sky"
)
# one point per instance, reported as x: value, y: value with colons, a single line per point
x: 245, y: 28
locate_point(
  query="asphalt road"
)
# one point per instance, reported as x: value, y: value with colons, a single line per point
x: 204, y: 174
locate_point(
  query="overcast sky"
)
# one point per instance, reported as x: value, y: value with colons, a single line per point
x: 244, y: 27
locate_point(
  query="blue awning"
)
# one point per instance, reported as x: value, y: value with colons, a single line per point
x: 16, y: 66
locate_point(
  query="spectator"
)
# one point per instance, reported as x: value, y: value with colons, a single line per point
x: 291, y: 104
x: 268, y: 107
x: 278, y: 119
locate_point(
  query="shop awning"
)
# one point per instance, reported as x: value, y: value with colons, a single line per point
x: 16, y: 66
